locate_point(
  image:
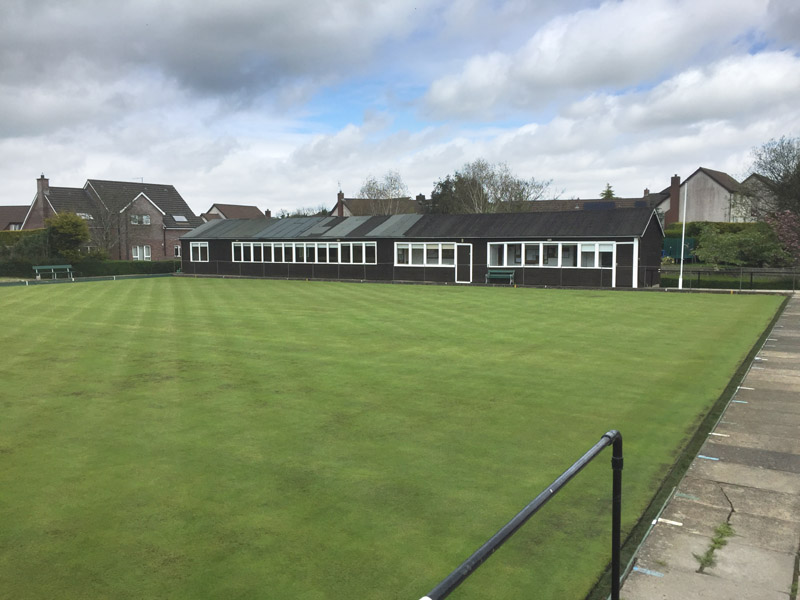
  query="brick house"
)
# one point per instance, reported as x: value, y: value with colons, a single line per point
x: 130, y: 221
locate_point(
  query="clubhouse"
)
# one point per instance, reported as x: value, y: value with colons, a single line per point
x: 616, y: 247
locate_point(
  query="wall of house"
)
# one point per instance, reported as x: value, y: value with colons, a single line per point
x: 139, y: 234
x: 706, y: 200
x: 220, y: 263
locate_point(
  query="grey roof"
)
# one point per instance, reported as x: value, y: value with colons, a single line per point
x: 12, y: 214
x: 237, y: 211
x: 116, y: 195
x: 74, y: 200
x: 722, y: 178
x: 609, y: 223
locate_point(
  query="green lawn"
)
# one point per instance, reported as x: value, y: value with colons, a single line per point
x: 183, y: 438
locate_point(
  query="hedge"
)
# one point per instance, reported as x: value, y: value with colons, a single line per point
x: 11, y: 237
x: 93, y: 268
x: 693, y: 229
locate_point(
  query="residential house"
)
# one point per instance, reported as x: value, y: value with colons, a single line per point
x: 709, y: 196
x: 594, y: 248
x: 11, y: 217
x: 130, y: 221
x: 234, y: 211
x: 362, y: 207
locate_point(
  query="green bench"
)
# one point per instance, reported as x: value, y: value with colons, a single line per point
x: 504, y: 275
x: 53, y: 271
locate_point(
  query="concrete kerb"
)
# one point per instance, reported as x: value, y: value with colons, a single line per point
x: 29, y: 282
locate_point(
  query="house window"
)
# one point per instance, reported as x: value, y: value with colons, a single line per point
x: 138, y: 219
x: 140, y: 252
x: 309, y: 252
x: 177, y: 250
x: 134, y: 219
x: 145, y: 219
x: 198, y: 251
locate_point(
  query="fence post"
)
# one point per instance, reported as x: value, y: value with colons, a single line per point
x: 616, y: 515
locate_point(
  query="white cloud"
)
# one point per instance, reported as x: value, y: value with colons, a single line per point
x: 613, y: 46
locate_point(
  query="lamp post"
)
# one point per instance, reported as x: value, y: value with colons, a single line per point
x: 683, y: 238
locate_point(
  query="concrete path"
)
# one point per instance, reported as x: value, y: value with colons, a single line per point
x: 747, y: 475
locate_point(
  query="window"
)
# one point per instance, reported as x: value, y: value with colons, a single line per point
x: 198, y: 251
x: 428, y: 254
x: 551, y: 255
x: 85, y: 216
x: 569, y: 255
x: 606, y: 255
x: 177, y: 250
x: 417, y: 254
x: 587, y: 255
x: 140, y: 253
x: 137, y: 219
x: 401, y: 254
x: 145, y: 219
x: 496, y: 255
x: 533, y: 253
x: 448, y: 254
x: 308, y: 252
x: 134, y: 219
x: 180, y: 219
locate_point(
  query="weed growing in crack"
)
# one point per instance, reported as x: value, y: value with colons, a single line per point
x: 721, y: 533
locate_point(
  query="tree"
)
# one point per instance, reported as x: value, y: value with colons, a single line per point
x: 786, y: 226
x: 608, y: 193
x: 776, y: 186
x: 389, y: 190
x: 481, y: 187
x: 755, y: 246
x: 65, y: 233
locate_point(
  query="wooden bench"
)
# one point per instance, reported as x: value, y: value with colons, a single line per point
x: 504, y: 275
x: 52, y: 270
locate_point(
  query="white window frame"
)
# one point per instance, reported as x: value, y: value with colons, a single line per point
x: 145, y: 219
x: 310, y: 252
x: 134, y: 219
x: 177, y: 250
x: 504, y: 253
x: 427, y: 249
x: 141, y: 252
x: 196, y: 251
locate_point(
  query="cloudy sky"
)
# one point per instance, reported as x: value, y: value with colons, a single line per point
x: 282, y: 103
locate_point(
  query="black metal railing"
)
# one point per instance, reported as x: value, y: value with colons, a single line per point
x: 482, y: 554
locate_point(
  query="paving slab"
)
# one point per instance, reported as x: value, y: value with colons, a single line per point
x: 693, y: 586
x: 723, y: 472
x: 743, y: 439
x: 754, y: 457
x: 765, y: 532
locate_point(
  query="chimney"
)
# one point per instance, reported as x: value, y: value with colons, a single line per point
x: 42, y: 189
x: 340, y: 204
x: 646, y: 192
x: 268, y: 213
x: 673, y: 214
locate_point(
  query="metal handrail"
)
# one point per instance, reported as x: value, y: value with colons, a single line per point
x: 482, y: 554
